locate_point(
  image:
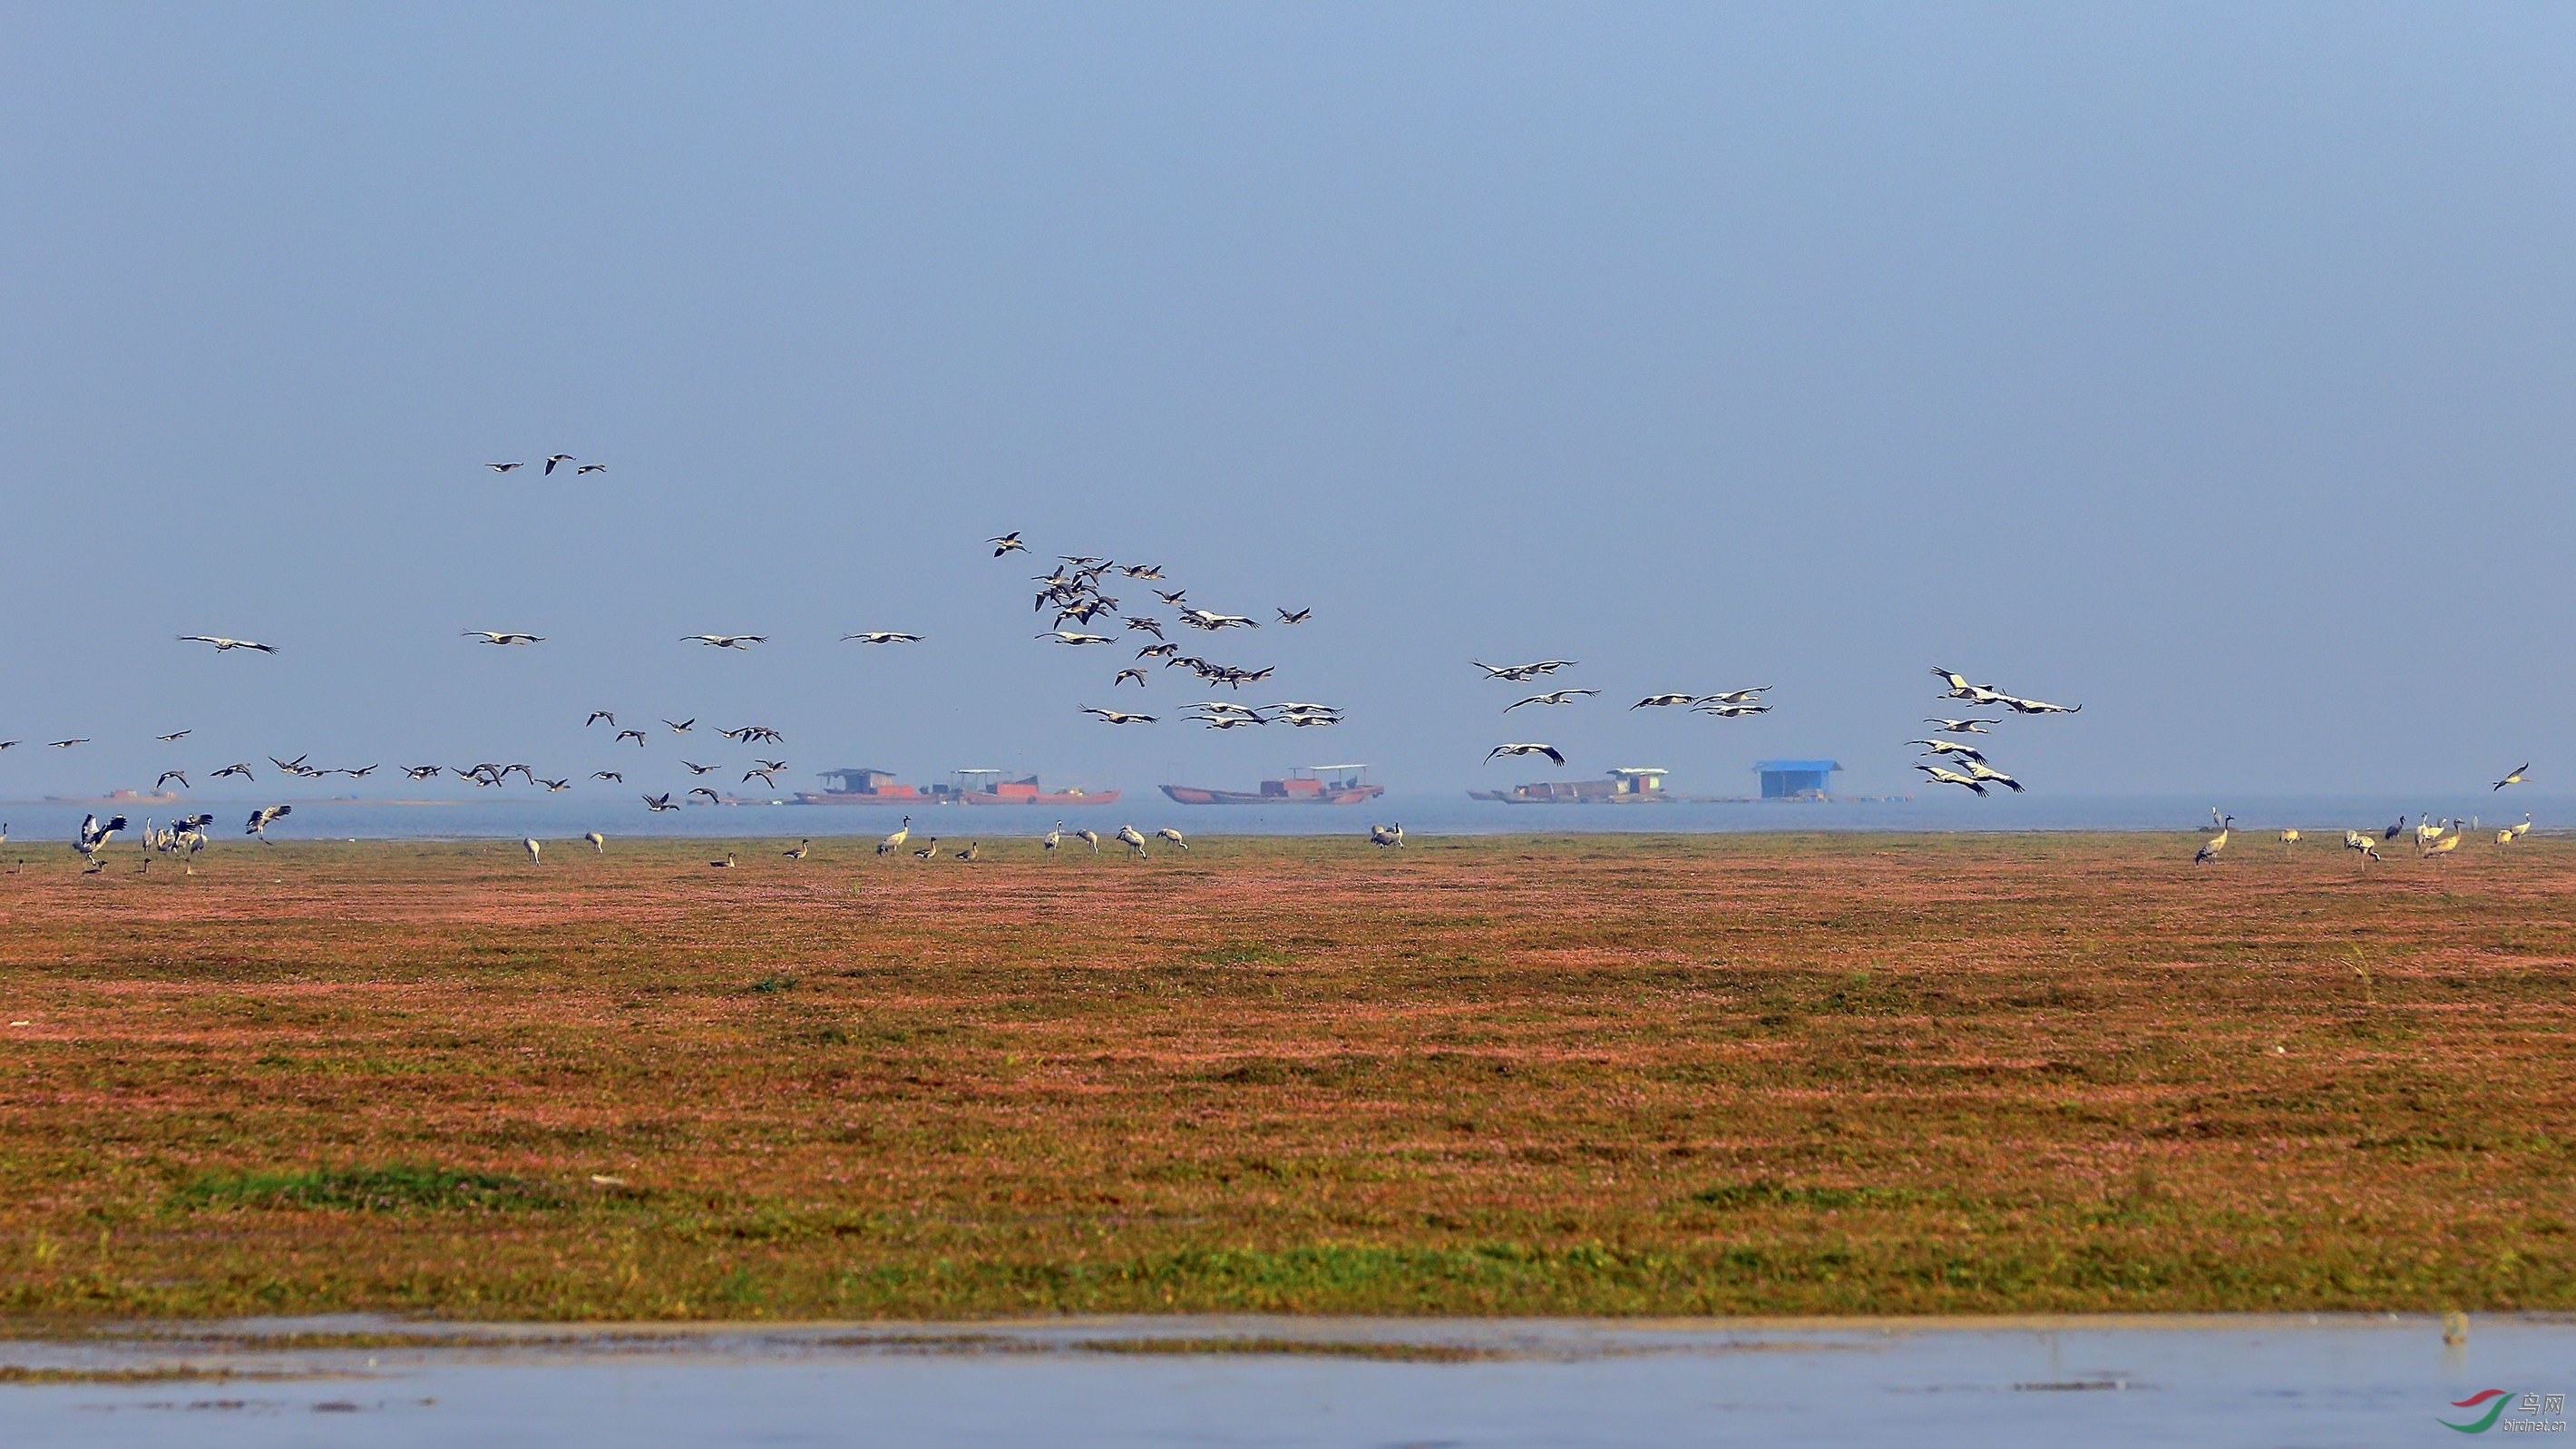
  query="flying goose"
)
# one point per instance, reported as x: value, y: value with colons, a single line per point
x: 235, y: 769
x: 1948, y: 747
x: 1070, y: 636
x: 725, y: 641
x: 490, y: 636
x: 682, y: 727
x: 175, y: 738
x: 504, y: 467
x: 1730, y: 711
x: 1526, y: 749
x: 260, y: 820
x: 224, y: 645
x: 766, y: 777
x: 882, y: 636
x: 1663, y: 701
x: 2037, y: 706
x: 66, y: 744
x: 554, y: 787
x: 1174, y: 598
x: 169, y: 775
x: 424, y: 772
x: 1142, y: 571
x: 611, y: 776
x: 1979, y: 771
x: 553, y: 459
x: 1962, y: 726
x: 597, y: 715
x: 659, y: 803
x: 1556, y: 697
x: 1299, y: 617
x: 589, y: 468
x: 1117, y: 717
x: 1007, y: 543
x: 712, y: 797
x: 636, y: 735
x: 2514, y: 778
x: 749, y: 733
x: 1735, y: 696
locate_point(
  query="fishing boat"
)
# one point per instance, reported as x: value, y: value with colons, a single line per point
x: 965, y: 787
x: 1312, y: 785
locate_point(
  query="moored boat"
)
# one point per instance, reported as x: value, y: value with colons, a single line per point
x: 1313, y: 785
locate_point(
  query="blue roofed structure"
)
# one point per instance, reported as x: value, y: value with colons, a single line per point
x: 1796, y: 779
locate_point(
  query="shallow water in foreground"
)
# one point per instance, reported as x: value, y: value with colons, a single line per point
x: 1252, y: 1381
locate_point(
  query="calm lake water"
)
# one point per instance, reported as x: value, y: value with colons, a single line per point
x: 2216, y: 1381
x: 36, y: 825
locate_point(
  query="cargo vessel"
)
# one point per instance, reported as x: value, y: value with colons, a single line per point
x: 1313, y: 785
x: 1635, y: 785
x: 967, y: 787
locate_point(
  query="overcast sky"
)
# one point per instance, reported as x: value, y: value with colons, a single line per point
x: 2208, y: 366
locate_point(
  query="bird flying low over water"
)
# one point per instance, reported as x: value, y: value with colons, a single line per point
x: 725, y: 641
x: 1550, y: 751
x: 2515, y: 778
x: 1007, y: 543
x: 1523, y: 673
x: 242, y: 770
x: 224, y: 645
x: 881, y: 636
x: 712, y: 797
x: 260, y: 820
x: 1112, y: 716
x: 697, y: 769
x: 1556, y: 697
x: 555, y: 787
x: 489, y: 636
x: 659, y: 803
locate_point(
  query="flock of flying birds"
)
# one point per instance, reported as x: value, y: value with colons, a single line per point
x: 1077, y: 591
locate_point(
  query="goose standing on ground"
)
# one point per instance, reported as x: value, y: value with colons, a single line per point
x: 724, y: 864
x: 2210, y: 848
x: 1174, y: 836
x: 2514, y: 777
x: 973, y: 852
x: 803, y: 849
x: 1384, y: 836
x: 598, y: 842
x: 1550, y: 751
x: 536, y: 855
x: 894, y: 842
x: 928, y: 850
x: 224, y: 645
x: 242, y: 770
x: 1127, y: 836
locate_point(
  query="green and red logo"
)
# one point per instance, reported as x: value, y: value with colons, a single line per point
x: 2479, y: 1426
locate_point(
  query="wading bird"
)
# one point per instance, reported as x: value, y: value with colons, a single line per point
x: 1556, y: 697
x: 1550, y: 751
x: 226, y: 646
x: 491, y: 636
x: 2210, y: 848
x: 894, y: 842
x: 2514, y: 778
x: 2355, y: 840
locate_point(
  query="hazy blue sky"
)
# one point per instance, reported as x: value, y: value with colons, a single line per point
x: 2206, y: 365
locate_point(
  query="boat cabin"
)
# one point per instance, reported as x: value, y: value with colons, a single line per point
x: 878, y: 783
x: 1316, y: 781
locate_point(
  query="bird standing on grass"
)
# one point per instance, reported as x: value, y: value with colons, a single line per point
x: 2357, y: 841
x: 2210, y: 848
x: 1384, y: 836
x: 598, y: 842
x: 1127, y: 835
x: 894, y: 842
x: 1174, y: 836
x: 534, y: 851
